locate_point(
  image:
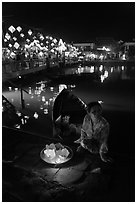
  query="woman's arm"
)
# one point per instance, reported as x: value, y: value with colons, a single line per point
x: 103, y: 142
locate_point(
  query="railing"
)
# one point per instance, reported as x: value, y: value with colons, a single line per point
x: 9, y: 66
x: 5, y: 101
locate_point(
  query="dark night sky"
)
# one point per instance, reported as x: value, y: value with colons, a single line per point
x: 76, y: 21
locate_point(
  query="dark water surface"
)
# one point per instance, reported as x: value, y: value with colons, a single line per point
x: 113, y: 85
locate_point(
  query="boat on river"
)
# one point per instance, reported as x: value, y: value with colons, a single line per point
x: 66, y: 103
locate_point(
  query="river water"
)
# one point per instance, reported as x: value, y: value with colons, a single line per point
x: 113, y: 86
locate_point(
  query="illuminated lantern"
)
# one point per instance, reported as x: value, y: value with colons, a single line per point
x: 41, y: 107
x: 92, y: 69
x: 101, y: 68
x: 26, y: 46
x: 19, y: 28
x: 22, y: 35
x: 61, y: 46
x: 7, y: 36
x: 16, y: 45
x: 11, y: 29
x: 51, y: 88
x: 100, y: 102
x: 111, y: 69
x: 30, y: 32
x: 45, y: 111
x: 54, y: 40
x: 12, y: 54
x: 43, y: 98
x: 41, y: 37
x: 40, y: 54
x: 52, y: 51
x: 122, y: 68
x: 102, y: 78
x: 36, y: 115
x: 14, y: 38
x: 10, y: 45
x: 106, y: 74
x: 27, y: 40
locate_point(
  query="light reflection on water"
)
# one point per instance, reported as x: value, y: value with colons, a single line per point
x: 40, y: 100
x: 104, y: 72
